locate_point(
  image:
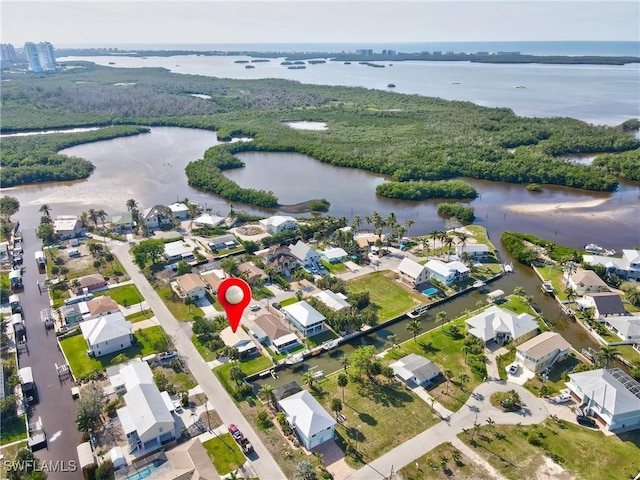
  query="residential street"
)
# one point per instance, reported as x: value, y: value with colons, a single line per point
x: 265, y: 466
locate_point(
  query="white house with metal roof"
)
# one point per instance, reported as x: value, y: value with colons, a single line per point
x: 412, y: 273
x: 627, y: 267
x: 107, y: 334
x: 179, y: 210
x: 179, y: 250
x: 415, y: 369
x: 473, y: 250
x: 334, y: 255
x: 278, y: 224
x: 308, y: 418
x: 626, y: 327
x: 305, y: 318
x: 612, y: 396
x: 334, y: 301
x: 306, y: 255
x: 447, y: 273
x: 67, y: 226
x: 500, y: 325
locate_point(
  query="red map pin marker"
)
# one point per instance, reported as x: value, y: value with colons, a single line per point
x: 234, y: 294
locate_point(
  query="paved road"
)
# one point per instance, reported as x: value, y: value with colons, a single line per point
x: 264, y: 465
x: 477, y: 409
x: 56, y: 407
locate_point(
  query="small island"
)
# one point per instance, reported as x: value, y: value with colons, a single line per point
x: 391, y: 85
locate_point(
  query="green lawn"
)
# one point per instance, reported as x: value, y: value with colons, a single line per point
x: 503, y: 361
x: 628, y: 352
x: 150, y: 340
x: 320, y: 338
x: 9, y: 453
x: 333, y: 268
x: 379, y: 416
x: 289, y: 301
x: 517, y: 305
x: 224, y: 453
x: 248, y: 366
x: 391, y: 298
x: 585, y: 453
x: 139, y: 316
x: 204, y: 352
x: 126, y: 295
x: 181, y: 312
x: 555, y: 275
x: 13, y: 431
x: 432, y: 466
x: 446, y: 351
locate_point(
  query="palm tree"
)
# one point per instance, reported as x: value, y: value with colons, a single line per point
x: 343, y: 380
x: 408, y: 224
x: 456, y: 456
x: 571, y: 293
x: 132, y: 205
x: 606, y: 355
x: 336, y: 405
x: 345, y: 362
x: 491, y: 423
x: 390, y: 222
x: 188, y: 301
x: 441, y: 317
x: 46, y: 210
x: 464, y: 378
x: 266, y: 391
x: 519, y: 291
x: 633, y: 295
x: 466, y: 349
x: 448, y: 374
x: 307, y: 378
x: 462, y: 239
x: 448, y: 241
x: 270, y: 270
x: 414, y: 327
x: 93, y: 216
x: 102, y: 215
x: 356, y: 222
x: 393, y: 340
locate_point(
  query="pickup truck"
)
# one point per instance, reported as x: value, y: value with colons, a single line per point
x: 240, y: 439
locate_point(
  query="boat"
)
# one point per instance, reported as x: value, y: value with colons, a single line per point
x: 590, y: 353
x: 273, y: 373
x: 508, y: 267
x: 478, y: 284
x: 416, y: 312
x: 598, y: 250
x: 294, y: 359
x: 330, y: 344
x: 266, y: 373
x: 317, y: 375
x: 547, y: 287
x: 567, y: 311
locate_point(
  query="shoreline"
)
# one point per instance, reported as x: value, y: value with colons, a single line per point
x: 554, y: 207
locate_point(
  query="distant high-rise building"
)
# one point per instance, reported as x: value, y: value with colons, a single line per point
x: 40, y: 56
x: 7, y: 53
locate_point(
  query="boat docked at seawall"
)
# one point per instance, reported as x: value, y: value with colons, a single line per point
x: 478, y: 284
x: 330, y: 345
x: 294, y: 359
x: 507, y: 267
x: 547, y: 287
x: 598, y: 250
x: 416, y: 312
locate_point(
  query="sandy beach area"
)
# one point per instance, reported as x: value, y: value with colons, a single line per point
x: 554, y: 207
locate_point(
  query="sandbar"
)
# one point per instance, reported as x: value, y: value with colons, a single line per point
x: 554, y: 207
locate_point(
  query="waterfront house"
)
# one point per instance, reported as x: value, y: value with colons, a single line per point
x: 585, y: 281
x: 604, y: 304
x: 306, y: 256
x: 157, y: 216
x: 179, y: 250
x: 179, y: 210
x: 90, y: 283
x: 611, y: 396
x: 71, y: 313
x: 190, y: 285
x: 627, y: 267
x: 474, y: 250
x: 281, y: 258
x: 626, y: 327
x: 412, y: 273
x: 251, y: 273
x: 334, y: 255
x: 336, y: 302
x: 208, y: 220
x: 274, y: 333
x: 501, y: 325
x: 67, y: 226
x: 107, y: 334
x: 542, y: 351
x: 102, y: 305
x: 213, y: 279
x: 304, y: 318
x: 122, y: 223
x: 311, y: 422
x: 415, y: 370
x: 278, y: 224
x: 447, y: 273
x: 223, y: 242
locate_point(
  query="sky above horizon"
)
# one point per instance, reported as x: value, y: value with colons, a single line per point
x: 101, y: 23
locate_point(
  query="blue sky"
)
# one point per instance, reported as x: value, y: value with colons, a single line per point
x: 90, y: 22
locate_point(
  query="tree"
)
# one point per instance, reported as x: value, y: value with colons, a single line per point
x: 160, y: 379
x: 236, y: 374
x: 519, y: 291
x: 456, y: 456
x: 606, y: 355
x: 361, y: 360
x: 464, y: 378
x: 466, y: 349
x: 9, y: 206
x: 414, y: 327
x: 307, y: 378
x: 633, y: 295
x: 336, y: 405
x: 345, y: 361
x: 448, y: 375
x: 448, y: 241
x: 25, y: 466
x: 188, y: 301
x: 45, y: 209
x: 441, y: 318
x: 343, y: 381
x: 571, y: 293
x: 89, y: 408
x: 392, y: 339
x: 266, y: 391
x: 304, y: 471
x: 491, y: 423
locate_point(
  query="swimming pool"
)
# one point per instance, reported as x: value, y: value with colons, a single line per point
x: 430, y: 291
x: 145, y: 472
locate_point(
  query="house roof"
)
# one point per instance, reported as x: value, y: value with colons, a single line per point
x: 301, y: 250
x: 178, y: 207
x: 613, y: 390
x: 494, y: 319
x: 89, y: 281
x: 303, y: 313
x: 335, y: 253
x: 277, y: 220
x: 304, y: 411
x: 102, y: 304
x: 415, y: 366
x: 587, y: 277
x: 286, y: 390
x: 335, y: 301
x: 223, y: 239
x: 65, y: 222
x: 213, y: 279
x: 252, y: 270
x: 543, y: 344
x: 189, y: 461
x: 207, y: 219
x: 132, y: 373
x: 410, y: 268
x: 272, y: 326
x: 606, y: 262
x: 446, y: 269
x: 156, y: 210
x: 631, y: 256
x: 285, y: 339
x: 607, y: 303
x: 145, y: 408
x: 105, y: 328
x: 629, y: 327
x: 177, y: 248
x: 123, y: 219
x: 190, y: 281
x: 473, y: 248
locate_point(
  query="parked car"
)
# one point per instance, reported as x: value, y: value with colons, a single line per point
x: 563, y: 398
x: 586, y: 421
x: 513, y: 369
x: 236, y: 433
x: 276, y: 305
x: 254, y: 307
x: 167, y: 356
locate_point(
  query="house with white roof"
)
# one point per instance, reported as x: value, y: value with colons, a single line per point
x: 500, y: 325
x: 304, y: 318
x: 306, y: 256
x: 542, y: 351
x: 179, y: 250
x: 626, y: 327
x: 334, y: 255
x: 179, y: 210
x: 67, y: 226
x: 412, y: 273
x: 627, y: 267
x: 208, y: 220
x: 474, y: 250
x: 415, y: 370
x: 334, y: 301
x: 311, y: 422
x: 156, y: 216
x: 447, y: 273
x: 612, y: 396
x: 107, y: 334
x: 585, y: 281
x: 278, y: 224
